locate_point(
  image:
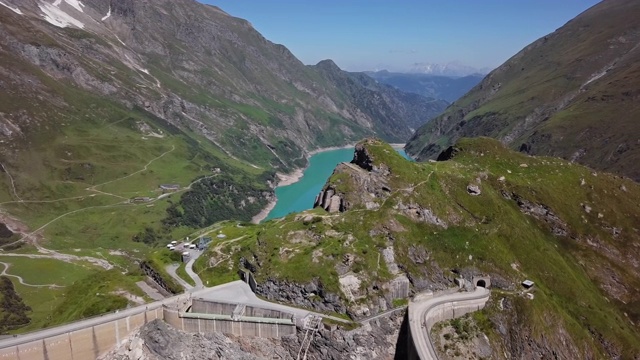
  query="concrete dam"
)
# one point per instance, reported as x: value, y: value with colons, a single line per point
x: 90, y: 338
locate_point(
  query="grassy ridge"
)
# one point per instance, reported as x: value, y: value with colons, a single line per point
x: 488, y: 233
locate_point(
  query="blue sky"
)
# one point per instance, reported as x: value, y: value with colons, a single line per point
x: 394, y: 34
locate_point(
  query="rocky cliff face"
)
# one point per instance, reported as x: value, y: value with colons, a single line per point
x: 569, y: 94
x: 358, y: 183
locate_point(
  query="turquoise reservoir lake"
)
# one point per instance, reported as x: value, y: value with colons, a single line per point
x: 300, y: 196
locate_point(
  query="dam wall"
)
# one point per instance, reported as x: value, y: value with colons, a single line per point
x: 85, y: 343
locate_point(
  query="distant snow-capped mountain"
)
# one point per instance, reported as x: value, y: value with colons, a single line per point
x: 449, y: 69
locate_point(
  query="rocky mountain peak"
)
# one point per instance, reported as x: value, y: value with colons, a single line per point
x: 328, y: 65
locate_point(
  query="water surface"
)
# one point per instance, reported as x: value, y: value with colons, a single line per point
x: 301, y: 195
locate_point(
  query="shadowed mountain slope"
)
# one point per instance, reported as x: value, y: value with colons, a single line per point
x: 573, y: 94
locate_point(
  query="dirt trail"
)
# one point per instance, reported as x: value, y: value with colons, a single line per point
x: 6, y: 268
x: 13, y: 184
x: 93, y: 188
x: 33, y: 236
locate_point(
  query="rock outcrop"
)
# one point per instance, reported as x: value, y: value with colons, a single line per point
x: 311, y: 295
x: 361, y: 183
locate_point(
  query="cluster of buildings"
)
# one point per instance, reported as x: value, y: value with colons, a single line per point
x: 200, y: 245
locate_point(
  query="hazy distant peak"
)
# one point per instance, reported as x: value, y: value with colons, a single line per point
x: 449, y: 69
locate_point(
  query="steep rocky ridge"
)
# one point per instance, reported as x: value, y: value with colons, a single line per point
x: 572, y: 94
x: 406, y: 227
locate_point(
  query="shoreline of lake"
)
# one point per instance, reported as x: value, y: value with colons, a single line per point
x: 290, y: 179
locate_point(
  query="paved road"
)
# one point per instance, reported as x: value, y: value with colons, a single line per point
x: 419, y: 311
x: 171, y: 270
x: 190, y: 272
x: 382, y: 314
x: 194, y: 254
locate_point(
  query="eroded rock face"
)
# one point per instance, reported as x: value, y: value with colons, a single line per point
x: 420, y: 214
x: 330, y: 201
x: 311, y: 295
x: 370, y: 180
x: 540, y: 212
x: 520, y: 341
x: 362, y: 158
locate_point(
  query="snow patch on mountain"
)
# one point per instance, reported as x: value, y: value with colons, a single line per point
x: 14, y: 9
x: 108, y: 15
x: 58, y: 17
x: 77, y: 4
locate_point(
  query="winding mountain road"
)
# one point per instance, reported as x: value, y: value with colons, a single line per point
x: 421, y: 311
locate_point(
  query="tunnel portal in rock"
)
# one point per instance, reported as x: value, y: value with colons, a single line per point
x: 482, y: 281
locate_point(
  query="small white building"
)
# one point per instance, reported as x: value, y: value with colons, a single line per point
x: 527, y: 284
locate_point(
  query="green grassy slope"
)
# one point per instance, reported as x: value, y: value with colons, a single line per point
x: 569, y: 229
x: 70, y: 171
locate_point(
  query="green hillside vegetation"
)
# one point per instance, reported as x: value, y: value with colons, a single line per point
x: 13, y: 312
x: 569, y: 229
x: 75, y: 187
x: 47, y: 271
x: 180, y: 271
x: 95, y: 294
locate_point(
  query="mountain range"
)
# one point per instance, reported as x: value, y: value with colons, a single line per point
x: 97, y: 89
x: 571, y: 94
x: 454, y: 69
x: 127, y: 124
x: 448, y: 88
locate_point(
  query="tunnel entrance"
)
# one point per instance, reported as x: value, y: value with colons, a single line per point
x: 481, y: 283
